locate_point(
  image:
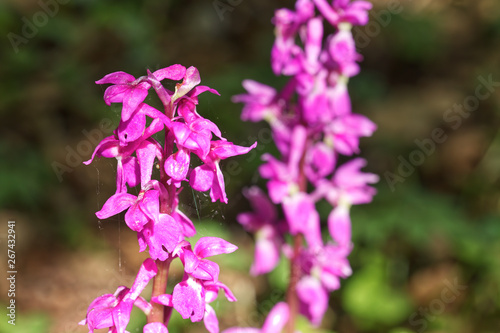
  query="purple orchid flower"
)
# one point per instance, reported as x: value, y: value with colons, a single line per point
x: 261, y: 102
x: 274, y: 323
x: 283, y: 178
x: 113, y: 310
x: 302, y: 217
x: 327, y: 263
x: 160, y: 235
x: 194, y: 260
x: 320, y: 161
x: 341, y: 54
x: 323, y: 266
x: 141, y: 208
x: 313, y: 299
x: 129, y: 168
x: 200, y: 284
x: 209, y: 175
x: 345, y: 131
x: 132, y: 92
x: 264, y: 223
x: 355, y: 13
x: 191, y: 297
x: 193, y: 136
x: 349, y: 186
x: 285, y: 53
x: 125, y: 89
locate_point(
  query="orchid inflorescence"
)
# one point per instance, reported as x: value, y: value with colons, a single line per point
x: 154, y: 212
x: 312, y: 124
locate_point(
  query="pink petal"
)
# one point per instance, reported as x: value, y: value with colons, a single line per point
x: 201, y: 178
x: 211, y: 246
x: 206, y: 270
x: 187, y: 110
x: 339, y: 225
x: 267, y: 251
x: 147, y: 271
x: 116, y: 78
x: 340, y: 102
x: 155, y: 114
x: 131, y: 171
x: 135, y: 218
x: 161, y: 235
x: 277, y: 318
x: 278, y: 190
x: 242, y: 330
x: 188, y: 229
x: 177, y: 165
x: 117, y: 203
x: 155, y: 328
x: 314, y: 40
x: 259, y: 89
x: 121, y: 315
x: 174, y: 72
x: 327, y: 11
x: 170, y: 233
x: 302, y: 217
x: 150, y: 204
x: 143, y: 305
x: 115, y: 94
x: 313, y: 298
x: 146, y: 153
x: 99, y: 312
x: 196, y: 91
x: 190, y: 260
x: 218, y: 191
x: 205, y: 126
x: 198, y: 143
x: 191, y: 80
x: 181, y: 132
x: 299, y: 137
x: 108, y: 147
x: 188, y: 301
x: 210, y: 320
x: 229, y: 294
x: 133, y: 128
x: 132, y: 99
x: 165, y: 299
x: 273, y: 168
x: 224, y: 149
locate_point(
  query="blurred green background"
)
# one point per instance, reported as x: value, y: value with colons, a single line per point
x: 426, y: 256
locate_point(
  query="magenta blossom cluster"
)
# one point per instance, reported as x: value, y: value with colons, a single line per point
x: 152, y: 205
x: 312, y: 124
